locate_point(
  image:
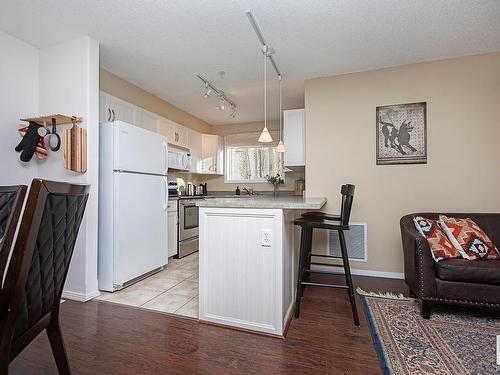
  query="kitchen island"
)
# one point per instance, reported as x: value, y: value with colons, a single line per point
x: 248, y: 255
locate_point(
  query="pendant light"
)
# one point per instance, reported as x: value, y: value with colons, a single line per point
x: 265, y: 136
x: 280, y: 147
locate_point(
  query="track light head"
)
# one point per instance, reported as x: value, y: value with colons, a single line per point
x: 221, y: 106
x: 233, y: 111
x: 208, y: 91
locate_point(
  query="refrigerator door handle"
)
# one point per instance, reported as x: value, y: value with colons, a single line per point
x: 165, y: 194
x: 165, y: 157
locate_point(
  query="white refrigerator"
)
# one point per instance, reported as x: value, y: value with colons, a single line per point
x: 133, y: 197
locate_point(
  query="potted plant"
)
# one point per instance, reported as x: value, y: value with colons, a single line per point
x: 275, y: 181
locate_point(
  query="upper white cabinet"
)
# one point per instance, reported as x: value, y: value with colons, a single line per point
x: 182, y: 134
x: 212, y: 154
x: 206, y: 150
x: 111, y: 109
x: 177, y: 135
x: 148, y: 120
x: 166, y: 128
x: 195, y: 144
x: 294, y: 137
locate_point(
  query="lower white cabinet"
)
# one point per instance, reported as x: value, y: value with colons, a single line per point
x: 294, y: 137
x: 172, y: 227
x: 243, y: 283
x: 212, y: 154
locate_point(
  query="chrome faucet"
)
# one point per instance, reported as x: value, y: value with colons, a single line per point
x: 248, y: 191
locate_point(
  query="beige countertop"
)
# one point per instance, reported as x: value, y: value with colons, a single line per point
x: 264, y: 201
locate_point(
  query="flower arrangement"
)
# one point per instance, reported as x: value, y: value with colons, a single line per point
x: 275, y: 181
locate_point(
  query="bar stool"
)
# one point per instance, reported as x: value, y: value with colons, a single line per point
x: 321, y: 220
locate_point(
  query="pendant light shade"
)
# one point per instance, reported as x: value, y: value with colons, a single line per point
x: 280, y: 147
x: 265, y: 136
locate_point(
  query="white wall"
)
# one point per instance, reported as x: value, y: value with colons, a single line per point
x: 69, y: 84
x: 59, y: 79
x: 18, y: 98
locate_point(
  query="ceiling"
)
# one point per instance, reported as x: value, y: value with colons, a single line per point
x: 161, y: 45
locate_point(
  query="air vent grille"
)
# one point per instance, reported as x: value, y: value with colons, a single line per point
x: 355, y: 239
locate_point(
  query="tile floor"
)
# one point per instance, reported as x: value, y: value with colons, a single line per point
x: 173, y: 290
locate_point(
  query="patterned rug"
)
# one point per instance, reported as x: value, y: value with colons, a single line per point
x: 450, y: 342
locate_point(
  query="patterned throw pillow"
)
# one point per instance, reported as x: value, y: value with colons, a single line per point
x: 441, y: 248
x: 468, y: 238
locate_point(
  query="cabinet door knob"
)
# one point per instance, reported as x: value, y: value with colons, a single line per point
x: 113, y: 114
x: 109, y: 114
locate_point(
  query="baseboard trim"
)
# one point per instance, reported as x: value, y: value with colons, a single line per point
x: 80, y: 297
x: 358, y: 272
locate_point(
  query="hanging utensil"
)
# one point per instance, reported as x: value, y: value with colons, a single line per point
x: 75, y: 148
x: 54, y: 140
x: 42, y: 130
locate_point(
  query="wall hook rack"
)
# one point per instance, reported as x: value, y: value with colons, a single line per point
x: 60, y: 119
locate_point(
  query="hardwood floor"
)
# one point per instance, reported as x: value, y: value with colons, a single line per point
x: 105, y: 338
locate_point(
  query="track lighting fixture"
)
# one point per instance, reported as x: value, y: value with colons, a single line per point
x: 268, y: 52
x: 233, y: 111
x: 208, y: 91
x: 223, y: 99
x: 280, y: 147
x: 221, y: 106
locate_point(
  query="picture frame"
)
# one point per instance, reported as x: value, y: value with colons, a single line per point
x: 401, y: 133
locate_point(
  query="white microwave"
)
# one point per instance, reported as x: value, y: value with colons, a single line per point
x: 179, y: 159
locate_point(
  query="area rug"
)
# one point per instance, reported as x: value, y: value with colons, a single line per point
x: 450, y: 342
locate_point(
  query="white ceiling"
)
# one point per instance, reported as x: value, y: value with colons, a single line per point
x: 161, y: 45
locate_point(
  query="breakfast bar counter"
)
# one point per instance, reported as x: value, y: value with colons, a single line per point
x: 265, y: 201
x: 248, y: 260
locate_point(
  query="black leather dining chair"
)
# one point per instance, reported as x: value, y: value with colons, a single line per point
x: 11, y: 204
x: 30, y: 297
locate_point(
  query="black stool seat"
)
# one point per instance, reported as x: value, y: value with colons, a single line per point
x: 321, y: 215
x: 321, y: 220
x: 320, y: 223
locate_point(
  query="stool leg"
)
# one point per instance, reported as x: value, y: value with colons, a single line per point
x: 348, y: 278
x: 308, y: 252
x: 300, y: 272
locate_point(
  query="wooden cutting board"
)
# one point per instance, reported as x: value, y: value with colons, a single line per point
x: 75, y: 148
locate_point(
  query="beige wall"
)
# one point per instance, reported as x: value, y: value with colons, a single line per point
x: 216, y: 183
x: 463, y: 133
x: 116, y: 86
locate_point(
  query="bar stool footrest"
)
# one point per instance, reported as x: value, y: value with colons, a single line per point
x: 325, y: 285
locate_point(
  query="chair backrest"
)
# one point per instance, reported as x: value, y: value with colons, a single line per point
x: 11, y: 203
x: 347, y: 192
x: 42, y: 254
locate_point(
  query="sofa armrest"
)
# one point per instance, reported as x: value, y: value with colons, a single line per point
x: 419, y: 269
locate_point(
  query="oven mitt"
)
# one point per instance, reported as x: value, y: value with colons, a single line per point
x: 31, y: 143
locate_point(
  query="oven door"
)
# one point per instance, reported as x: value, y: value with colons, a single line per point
x: 188, y: 219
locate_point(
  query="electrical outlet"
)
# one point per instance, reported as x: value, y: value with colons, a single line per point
x: 267, y: 239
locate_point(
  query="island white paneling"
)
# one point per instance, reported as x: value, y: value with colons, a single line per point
x: 243, y: 283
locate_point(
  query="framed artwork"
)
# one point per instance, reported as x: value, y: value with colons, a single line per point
x: 402, y: 134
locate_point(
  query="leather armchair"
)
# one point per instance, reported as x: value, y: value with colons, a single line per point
x: 450, y: 281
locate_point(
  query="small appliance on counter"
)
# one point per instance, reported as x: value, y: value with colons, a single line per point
x: 300, y: 186
x: 172, y: 188
x: 201, y: 189
x: 190, y: 189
